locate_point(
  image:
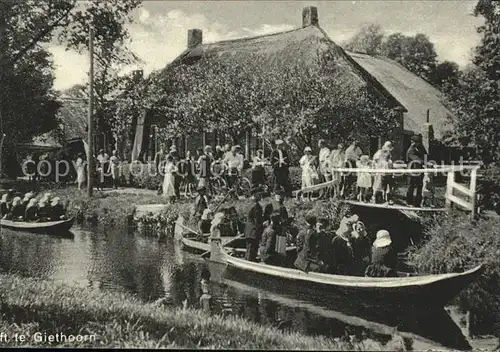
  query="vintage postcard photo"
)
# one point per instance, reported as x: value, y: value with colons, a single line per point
x: 257, y: 175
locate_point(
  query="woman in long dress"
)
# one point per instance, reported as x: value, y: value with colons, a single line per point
x: 114, y: 164
x: 380, y: 181
x: 169, y: 179
x: 80, y: 170
x: 308, y: 169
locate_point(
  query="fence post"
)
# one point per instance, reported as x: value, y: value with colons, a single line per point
x: 449, y: 188
x: 472, y: 188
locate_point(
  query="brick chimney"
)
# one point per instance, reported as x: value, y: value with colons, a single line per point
x: 310, y: 16
x: 195, y: 37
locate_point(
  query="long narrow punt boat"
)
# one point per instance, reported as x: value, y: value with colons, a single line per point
x: 429, y: 290
x: 61, y: 226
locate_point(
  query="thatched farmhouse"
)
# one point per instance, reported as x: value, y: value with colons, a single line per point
x: 417, y: 105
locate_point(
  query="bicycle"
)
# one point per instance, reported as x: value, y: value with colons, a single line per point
x: 241, y: 185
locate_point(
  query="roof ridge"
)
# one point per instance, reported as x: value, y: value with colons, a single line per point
x: 254, y: 37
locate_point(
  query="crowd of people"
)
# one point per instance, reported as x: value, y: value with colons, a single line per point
x: 268, y: 229
x: 202, y: 165
x: 31, y: 208
x: 366, y: 186
x: 316, y: 168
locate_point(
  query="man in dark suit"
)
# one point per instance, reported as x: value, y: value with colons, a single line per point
x: 280, y: 163
x: 205, y: 168
x: 268, y: 252
x: 177, y: 179
x: 254, y: 226
x: 415, y: 157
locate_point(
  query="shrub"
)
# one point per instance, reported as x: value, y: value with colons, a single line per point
x: 454, y: 245
x: 163, y: 221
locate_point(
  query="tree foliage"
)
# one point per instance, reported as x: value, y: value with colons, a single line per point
x: 301, y: 103
x: 417, y: 53
x: 368, y: 39
x: 28, y: 104
x: 475, y: 98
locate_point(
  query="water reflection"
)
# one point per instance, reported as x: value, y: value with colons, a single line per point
x: 151, y: 270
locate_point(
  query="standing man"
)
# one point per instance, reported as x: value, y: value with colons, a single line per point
x: 280, y: 162
x: 415, y: 157
x: 352, y: 155
x: 205, y: 167
x: 268, y: 252
x: 234, y: 162
x: 177, y: 180
x: 254, y: 226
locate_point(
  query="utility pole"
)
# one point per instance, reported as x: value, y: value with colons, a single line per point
x: 90, y: 140
x: 3, y: 29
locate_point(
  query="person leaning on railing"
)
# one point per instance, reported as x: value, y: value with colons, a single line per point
x: 415, y: 157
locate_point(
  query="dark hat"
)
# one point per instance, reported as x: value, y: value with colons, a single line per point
x: 255, y: 190
x: 416, y: 138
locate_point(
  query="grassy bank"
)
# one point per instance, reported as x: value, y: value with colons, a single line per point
x: 32, y: 306
x: 453, y: 244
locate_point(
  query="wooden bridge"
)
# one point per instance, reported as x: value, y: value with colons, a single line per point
x: 456, y: 193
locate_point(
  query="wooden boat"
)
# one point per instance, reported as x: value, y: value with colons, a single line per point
x: 61, y: 226
x: 429, y: 290
x: 230, y: 244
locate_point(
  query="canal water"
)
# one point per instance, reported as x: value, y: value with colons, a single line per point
x: 142, y: 266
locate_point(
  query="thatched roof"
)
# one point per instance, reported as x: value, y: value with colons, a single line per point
x: 413, y: 92
x: 309, y: 45
x: 305, y: 46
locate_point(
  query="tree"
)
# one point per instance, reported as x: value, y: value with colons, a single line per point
x: 475, y: 99
x: 367, y: 40
x: 416, y: 53
x: 26, y: 67
x: 445, y: 72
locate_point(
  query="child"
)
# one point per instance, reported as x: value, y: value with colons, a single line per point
x: 428, y: 191
x: 364, y: 178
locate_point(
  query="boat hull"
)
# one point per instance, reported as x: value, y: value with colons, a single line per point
x: 435, y: 294
x: 430, y: 290
x: 52, y: 227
